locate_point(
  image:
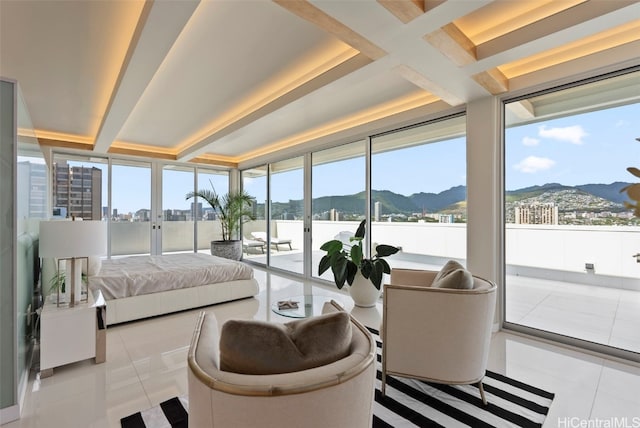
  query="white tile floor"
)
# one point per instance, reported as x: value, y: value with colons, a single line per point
x: 146, y: 364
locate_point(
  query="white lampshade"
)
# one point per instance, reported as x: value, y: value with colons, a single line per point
x: 61, y: 239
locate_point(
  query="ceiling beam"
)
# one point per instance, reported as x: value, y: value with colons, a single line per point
x: 160, y: 24
x: 493, y: 81
x: 309, y: 12
x: 141, y: 153
x: 405, y: 10
x: 423, y: 82
x: 561, y: 21
x: 48, y: 142
x: 453, y: 44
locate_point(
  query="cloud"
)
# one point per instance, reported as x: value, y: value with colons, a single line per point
x: 530, y: 141
x: 572, y: 134
x: 534, y: 164
x: 621, y: 123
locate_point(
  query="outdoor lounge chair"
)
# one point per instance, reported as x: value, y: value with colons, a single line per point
x: 262, y: 236
x: 247, y: 244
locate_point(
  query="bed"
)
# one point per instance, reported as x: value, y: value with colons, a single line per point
x: 138, y: 287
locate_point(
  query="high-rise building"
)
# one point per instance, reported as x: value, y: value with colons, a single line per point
x: 536, y: 213
x: 334, y: 215
x: 196, y: 211
x: 32, y: 181
x: 376, y: 211
x: 79, y: 189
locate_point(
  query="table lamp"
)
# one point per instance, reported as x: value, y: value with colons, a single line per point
x: 73, y: 241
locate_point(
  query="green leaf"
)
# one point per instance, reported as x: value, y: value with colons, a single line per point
x: 333, y: 246
x: 356, y: 254
x: 385, y: 250
x: 361, y: 229
x: 339, y: 269
x: 385, y: 266
x: 366, y: 267
x: 352, y: 269
x: 376, y: 275
x: 325, y: 263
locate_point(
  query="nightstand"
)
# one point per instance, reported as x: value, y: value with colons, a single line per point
x: 73, y: 334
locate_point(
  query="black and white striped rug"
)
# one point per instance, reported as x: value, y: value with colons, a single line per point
x: 413, y: 403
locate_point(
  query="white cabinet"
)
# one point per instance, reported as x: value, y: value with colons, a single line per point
x: 73, y: 334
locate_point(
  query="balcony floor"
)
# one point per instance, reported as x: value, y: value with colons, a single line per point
x: 603, y: 315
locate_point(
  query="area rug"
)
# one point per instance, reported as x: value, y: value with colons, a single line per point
x: 411, y: 403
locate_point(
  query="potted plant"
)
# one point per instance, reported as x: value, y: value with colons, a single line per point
x: 233, y: 209
x: 363, y: 275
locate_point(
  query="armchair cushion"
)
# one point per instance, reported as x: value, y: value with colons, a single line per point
x: 453, y: 275
x: 258, y: 347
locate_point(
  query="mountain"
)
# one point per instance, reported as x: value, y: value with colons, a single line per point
x: 392, y: 202
x: 610, y: 192
x: 453, y: 200
x: 434, y: 202
x: 534, y: 191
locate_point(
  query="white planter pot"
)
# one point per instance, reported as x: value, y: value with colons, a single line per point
x: 363, y: 292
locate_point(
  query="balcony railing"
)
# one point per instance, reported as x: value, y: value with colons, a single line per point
x: 565, y: 250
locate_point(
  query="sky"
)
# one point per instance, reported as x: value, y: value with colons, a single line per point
x: 594, y: 147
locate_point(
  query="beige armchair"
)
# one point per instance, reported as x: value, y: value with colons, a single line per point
x: 336, y: 394
x: 440, y: 335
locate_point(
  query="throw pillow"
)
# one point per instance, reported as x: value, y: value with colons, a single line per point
x: 453, y: 275
x: 260, y: 348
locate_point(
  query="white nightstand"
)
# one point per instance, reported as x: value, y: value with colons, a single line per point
x: 73, y: 334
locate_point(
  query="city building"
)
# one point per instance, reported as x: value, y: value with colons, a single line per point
x: 536, y: 214
x: 32, y: 178
x: 78, y: 189
x: 322, y: 90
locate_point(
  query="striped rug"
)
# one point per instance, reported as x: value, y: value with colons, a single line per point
x: 413, y: 403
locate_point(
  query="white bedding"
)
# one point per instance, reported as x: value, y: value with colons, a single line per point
x: 138, y: 275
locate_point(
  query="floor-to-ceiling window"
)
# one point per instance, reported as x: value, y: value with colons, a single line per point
x: 254, y: 182
x: 208, y: 226
x: 144, y: 202
x: 287, y: 214
x: 570, y: 241
x: 79, y: 186
x: 130, y: 216
x: 418, y: 193
x: 338, y: 178
x: 178, y: 213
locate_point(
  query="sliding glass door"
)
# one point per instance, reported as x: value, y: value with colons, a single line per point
x: 178, y: 213
x: 254, y: 182
x: 338, y: 203
x: 570, y: 241
x: 286, y: 231
x: 131, y: 218
x: 418, y: 196
x: 207, y: 224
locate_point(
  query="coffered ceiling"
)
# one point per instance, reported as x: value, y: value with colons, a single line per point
x: 227, y: 82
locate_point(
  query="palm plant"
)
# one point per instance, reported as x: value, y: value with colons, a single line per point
x: 233, y: 209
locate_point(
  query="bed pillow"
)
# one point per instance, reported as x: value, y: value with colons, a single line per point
x: 260, y: 348
x: 453, y: 275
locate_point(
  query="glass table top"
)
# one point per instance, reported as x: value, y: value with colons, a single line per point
x: 307, y: 306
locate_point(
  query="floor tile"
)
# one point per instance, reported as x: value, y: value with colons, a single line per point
x: 146, y: 360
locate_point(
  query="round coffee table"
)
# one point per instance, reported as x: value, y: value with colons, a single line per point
x: 308, y: 306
